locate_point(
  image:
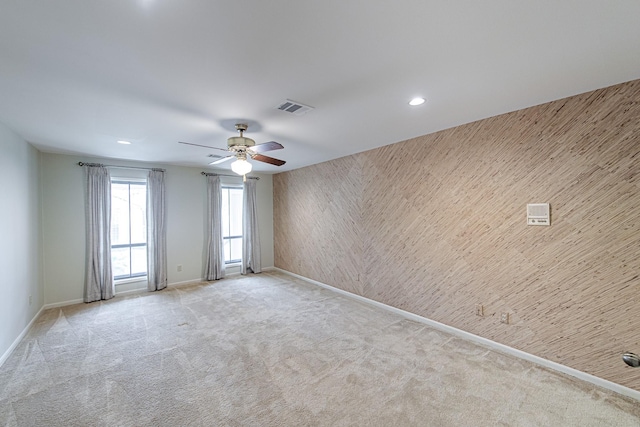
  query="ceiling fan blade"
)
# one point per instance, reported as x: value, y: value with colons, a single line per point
x: 267, y: 159
x: 222, y: 160
x: 266, y: 146
x: 204, y: 146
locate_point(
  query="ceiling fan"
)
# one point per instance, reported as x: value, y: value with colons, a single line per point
x: 241, y: 147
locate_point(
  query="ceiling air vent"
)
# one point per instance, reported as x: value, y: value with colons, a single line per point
x: 214, y: 156
x: 293, y: 107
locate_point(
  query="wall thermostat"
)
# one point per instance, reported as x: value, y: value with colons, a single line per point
x: 538, y: 214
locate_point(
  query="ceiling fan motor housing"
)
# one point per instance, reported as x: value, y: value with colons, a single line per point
x: 240, y: 141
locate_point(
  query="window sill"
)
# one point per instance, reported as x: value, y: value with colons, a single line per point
x: 130, y: 280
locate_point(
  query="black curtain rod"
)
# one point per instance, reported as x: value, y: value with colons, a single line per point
x: 119, y: 167
x: 222, y: 174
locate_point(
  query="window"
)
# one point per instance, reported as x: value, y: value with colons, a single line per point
x: 232, y: 224
x: 128, y: 229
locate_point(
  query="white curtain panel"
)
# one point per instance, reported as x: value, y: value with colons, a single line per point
x: 156, y: 231
x: 98, y: 275
x: 250, y: 232
x: 214, y: 253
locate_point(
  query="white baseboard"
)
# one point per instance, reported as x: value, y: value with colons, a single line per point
x: 15, y: 343
x: 186, y: 282
x: 600, y: 382
x: 118, y: 293
x: 62, y: 303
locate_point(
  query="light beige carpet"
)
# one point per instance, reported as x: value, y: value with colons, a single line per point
x: 270, y: 350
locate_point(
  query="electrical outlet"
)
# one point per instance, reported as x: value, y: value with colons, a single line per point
x: 504, y: 318
x: 479, y: 310
x: 179, y: 268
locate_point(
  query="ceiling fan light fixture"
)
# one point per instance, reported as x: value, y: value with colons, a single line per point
x: 241, y: 167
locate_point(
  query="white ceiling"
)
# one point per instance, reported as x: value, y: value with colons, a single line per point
x: 77, y: 75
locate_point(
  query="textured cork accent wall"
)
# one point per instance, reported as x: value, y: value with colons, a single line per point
x: 437, y: 224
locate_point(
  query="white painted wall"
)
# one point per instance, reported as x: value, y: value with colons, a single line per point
x: 20, y: 238
x: 64, y: 225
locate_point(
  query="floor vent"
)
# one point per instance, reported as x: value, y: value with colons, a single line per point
x: 293, y: 107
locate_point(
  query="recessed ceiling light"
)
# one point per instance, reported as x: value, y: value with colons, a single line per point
x: 124, y: 142
x: 416, y: 101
